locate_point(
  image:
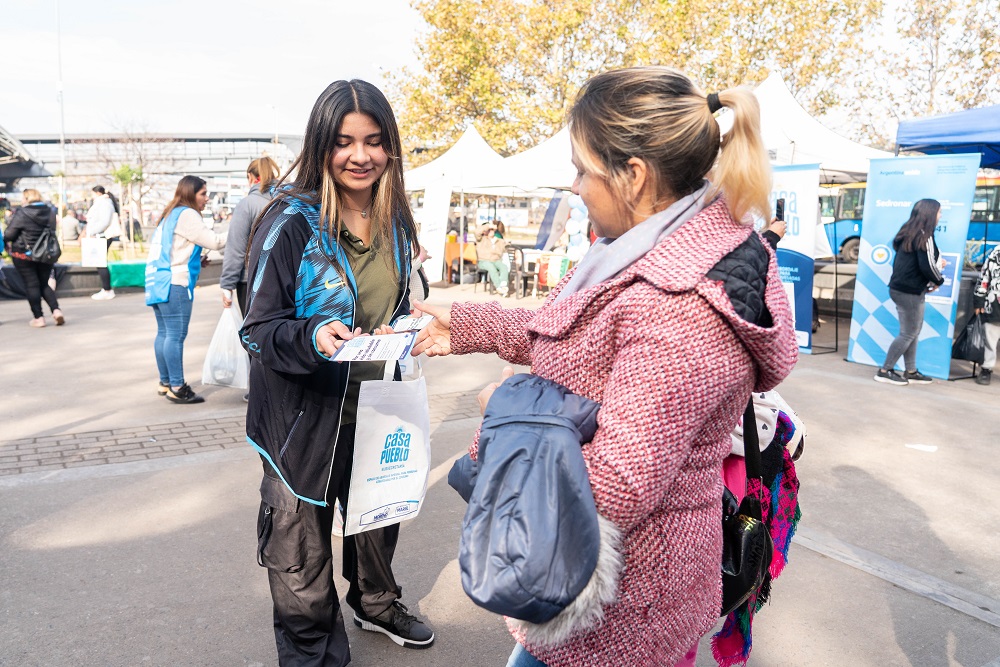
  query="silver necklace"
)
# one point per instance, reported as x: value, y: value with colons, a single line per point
x: 362, y: 211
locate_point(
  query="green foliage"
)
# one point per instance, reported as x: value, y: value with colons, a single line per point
x: 125, y: 174
x: 513, y: 67
x: 929, y: 58
x: 510, y: 66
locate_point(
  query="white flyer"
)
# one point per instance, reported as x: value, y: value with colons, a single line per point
x: 411, y: 323
x: 376, y: 348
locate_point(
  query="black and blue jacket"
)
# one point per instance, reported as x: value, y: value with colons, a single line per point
x: 294, y: 288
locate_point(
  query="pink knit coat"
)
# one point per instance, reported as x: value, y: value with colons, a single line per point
x: 662, y: 350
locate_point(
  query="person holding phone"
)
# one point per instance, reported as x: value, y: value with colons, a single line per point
x: 916, y: 270
x: 670, y: 389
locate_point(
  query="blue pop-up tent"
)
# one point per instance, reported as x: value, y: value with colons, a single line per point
x: 969, y: 131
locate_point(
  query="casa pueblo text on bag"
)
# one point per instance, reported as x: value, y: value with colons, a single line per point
x: 391, y: 452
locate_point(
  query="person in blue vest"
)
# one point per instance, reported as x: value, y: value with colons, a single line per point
x: 171, y: 273
x: 329, y: 259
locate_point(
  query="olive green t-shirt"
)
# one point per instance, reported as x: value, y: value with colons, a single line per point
x: 378, y: 290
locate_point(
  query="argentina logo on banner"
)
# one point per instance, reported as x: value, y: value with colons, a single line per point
x: 894, y: 185
x: 798, y: 185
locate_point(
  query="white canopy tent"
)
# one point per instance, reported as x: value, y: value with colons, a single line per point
x: 536, y: 171
x: 469, y: 160
x: 465, y: 162
x: 794, y: 137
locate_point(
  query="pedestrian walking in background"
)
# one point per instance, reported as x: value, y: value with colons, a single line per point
x: 103, y: 221
x: 329, y: 259
x: 261, y: 175
x: 172, y: 272
x: 23, y: 231
x: 986, y: 300
x: 916, y: 269
x: 656, y: 327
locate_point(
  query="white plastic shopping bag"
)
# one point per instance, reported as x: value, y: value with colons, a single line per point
x: 392, y: 453
x: 93, y: 251
x: 226, y: 363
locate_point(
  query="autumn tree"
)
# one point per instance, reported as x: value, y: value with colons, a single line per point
x: 726, y: 43
x: 514, y: 66
x: 129, y: 158
x: 510, y: 66
x: 930, y: 58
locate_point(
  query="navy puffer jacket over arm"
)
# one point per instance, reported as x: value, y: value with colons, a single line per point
x: 530, y: 538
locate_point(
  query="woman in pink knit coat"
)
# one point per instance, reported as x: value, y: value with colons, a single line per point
x: 669, y: 323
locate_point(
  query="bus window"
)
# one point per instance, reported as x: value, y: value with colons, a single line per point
x: 852, y: 203
x: 828, y: 208
x: 984, y: 204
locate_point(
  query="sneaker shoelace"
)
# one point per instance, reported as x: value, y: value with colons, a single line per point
x: 402, y: 618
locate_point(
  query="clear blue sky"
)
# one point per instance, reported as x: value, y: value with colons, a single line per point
x: 191, y: 66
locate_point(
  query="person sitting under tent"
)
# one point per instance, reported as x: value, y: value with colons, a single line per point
x: 491, y: 254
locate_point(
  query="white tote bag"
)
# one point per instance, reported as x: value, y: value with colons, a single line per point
x: 226, y: 363
x: 392, y: 453
x: 93, y: 251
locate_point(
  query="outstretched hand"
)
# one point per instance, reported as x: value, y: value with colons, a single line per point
x: 331, y: 336
x: 434, y: 340
x: 487, y: 392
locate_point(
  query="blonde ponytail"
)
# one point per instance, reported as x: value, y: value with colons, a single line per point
x: 265, y: 169
x: 743, y: 171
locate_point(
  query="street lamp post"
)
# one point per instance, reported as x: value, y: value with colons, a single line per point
x: 62, y: 118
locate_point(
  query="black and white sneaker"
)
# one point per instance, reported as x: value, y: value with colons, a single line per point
x: 916, y: 377
x: 890, y: 377
x: 401, y: 627
x: 183, y: 395
x: 984, y: 376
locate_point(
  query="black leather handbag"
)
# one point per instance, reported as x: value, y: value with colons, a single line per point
x: 746, y: 542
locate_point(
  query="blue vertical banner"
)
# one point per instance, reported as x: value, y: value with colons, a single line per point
x: 798, y: 185
x: 894, y: 185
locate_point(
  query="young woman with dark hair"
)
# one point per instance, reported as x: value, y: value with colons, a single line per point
x: 172, y: 271
x: 329, y: 258
x: 916, y: 269
x: 657, y: 325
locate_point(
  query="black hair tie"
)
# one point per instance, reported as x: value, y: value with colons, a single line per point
x: 713, y: 103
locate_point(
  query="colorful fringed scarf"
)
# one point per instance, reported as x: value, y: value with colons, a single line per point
x: 780, y: 511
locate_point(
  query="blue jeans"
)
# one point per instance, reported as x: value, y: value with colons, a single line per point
x: 521, y: 658
x: 172, y: 319
x: 911, y: 319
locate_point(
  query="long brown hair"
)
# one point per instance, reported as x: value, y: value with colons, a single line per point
x: 187, y: 189
x: 314, y: 182
x: 657, y: 114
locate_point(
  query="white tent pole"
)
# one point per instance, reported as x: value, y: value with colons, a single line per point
x: 461, y: 239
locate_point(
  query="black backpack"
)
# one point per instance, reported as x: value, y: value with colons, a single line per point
x: 46, y: 249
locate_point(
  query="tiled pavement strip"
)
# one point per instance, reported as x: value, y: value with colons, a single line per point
x: 138, y: 443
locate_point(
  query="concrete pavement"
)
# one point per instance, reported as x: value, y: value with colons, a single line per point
x: 128, y: 531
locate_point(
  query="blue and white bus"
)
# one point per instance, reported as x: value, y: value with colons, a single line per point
x: 842, y: 206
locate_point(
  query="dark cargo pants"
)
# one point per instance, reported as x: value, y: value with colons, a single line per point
x: 294, y: 544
